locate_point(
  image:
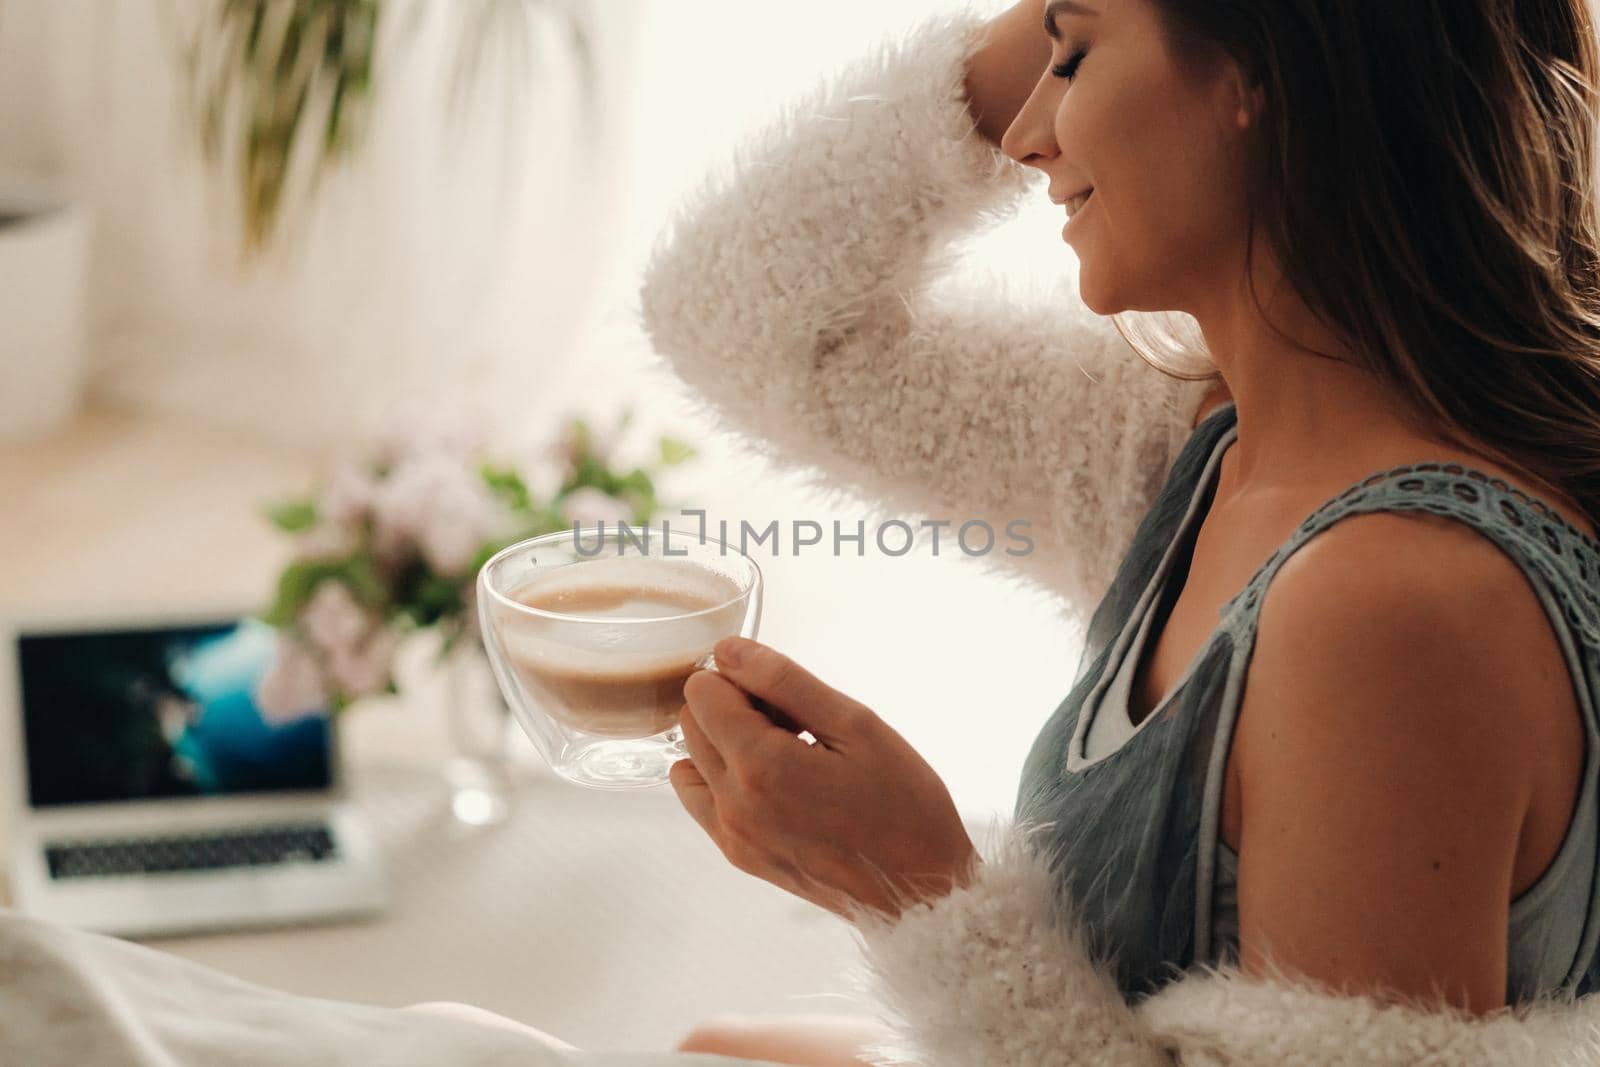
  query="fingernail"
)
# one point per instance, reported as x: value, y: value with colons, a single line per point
x: 729, y: 651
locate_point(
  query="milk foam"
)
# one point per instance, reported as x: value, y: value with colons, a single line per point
x: 613, y: 640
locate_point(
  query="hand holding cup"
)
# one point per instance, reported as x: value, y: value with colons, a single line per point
x: 853, y: 822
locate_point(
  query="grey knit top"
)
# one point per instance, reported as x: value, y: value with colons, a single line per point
x: 1135, y: 837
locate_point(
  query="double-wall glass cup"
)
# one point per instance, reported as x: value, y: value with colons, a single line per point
x: 592, y: 633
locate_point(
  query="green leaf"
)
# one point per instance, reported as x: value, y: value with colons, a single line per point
x: 295, y: 587
x: 298, y: 583
x: 296, y: 516
x: 674, y: 451
x: 635, y: 481
x: 254, y: 77
x: 439, y: 594
x: 508, y: 485
x: 590, y: 473
x: 426, y: 597
x: 581, y: 436
x: 361, y: 572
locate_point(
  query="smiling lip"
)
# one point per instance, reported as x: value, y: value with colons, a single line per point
x: 1054, y: 199
x: 1076, y: 215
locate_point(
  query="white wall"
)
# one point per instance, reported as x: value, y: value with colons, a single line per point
x: 40, y: 72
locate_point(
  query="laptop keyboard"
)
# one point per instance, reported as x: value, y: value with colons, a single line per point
x: 258, y: 847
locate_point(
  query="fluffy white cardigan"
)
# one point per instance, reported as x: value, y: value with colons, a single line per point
x: 796, y: 295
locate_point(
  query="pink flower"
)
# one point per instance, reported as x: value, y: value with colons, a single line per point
x: 347, y: 499
x: 589, y: 506
x: 429, y: 425
x: 365, y: 669
x: 326, y: 541
x: 449, y: 542
x: 333, y: 620
x: 292, y: 685
x: 437, y: 506
x: 570, y: 446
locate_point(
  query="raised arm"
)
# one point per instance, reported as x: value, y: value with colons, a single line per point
x: 796, y: 297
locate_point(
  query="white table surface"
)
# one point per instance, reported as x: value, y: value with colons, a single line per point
x: 605, y: 918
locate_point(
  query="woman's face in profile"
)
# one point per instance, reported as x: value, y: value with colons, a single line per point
x: 1158, y: 139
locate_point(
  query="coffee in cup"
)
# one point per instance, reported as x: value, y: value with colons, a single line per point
x: 592, y: 635
x: 582, y: 654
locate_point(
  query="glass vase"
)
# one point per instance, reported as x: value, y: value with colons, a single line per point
x: 479, y: 767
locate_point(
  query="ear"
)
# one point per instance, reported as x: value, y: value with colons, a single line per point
x: 1250, y: 111
x: 1243, y: 99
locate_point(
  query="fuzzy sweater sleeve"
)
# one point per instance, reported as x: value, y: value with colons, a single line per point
x: 794, y: 295
x: 997, y: 975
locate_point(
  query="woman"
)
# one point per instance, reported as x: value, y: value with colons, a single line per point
x: 1383, y: 219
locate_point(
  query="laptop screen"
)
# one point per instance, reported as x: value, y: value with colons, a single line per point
x: 151, y: 713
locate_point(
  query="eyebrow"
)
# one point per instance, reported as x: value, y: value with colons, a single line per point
x: 1071, y: 7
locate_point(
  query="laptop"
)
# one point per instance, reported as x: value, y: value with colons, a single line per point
x: 152, y: 794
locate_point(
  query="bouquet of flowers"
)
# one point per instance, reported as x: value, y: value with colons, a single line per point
x: 393, y: 543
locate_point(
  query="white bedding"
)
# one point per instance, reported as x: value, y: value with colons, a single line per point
x: 74, y: 999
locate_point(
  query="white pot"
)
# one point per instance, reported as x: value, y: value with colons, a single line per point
x: 43, y: 256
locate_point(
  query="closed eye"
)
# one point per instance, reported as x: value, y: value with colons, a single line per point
x: 1069, y: 69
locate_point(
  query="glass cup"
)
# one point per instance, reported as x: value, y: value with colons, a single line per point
x: 593, y: 631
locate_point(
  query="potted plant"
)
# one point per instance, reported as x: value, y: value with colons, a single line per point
x: 280, y: 94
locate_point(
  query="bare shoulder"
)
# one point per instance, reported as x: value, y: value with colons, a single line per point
x: 1437, y: 582
x: 1385, y: 759
x: 1390, y: 608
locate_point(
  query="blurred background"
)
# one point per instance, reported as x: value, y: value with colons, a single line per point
x: 247, y: 245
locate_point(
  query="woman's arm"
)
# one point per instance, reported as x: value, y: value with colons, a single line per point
x: 806, y: 1040
x: 997, y: 974
x: 1005, y: 67
x: 796, y: 299
x: 1381, y: 816
x: 1400, y: 789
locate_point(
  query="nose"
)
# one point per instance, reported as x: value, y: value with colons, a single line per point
x: 1031, y: 137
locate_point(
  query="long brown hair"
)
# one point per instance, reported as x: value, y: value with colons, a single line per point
x: 1427, y: 179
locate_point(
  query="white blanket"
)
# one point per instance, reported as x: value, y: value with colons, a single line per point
x: 74, y: 999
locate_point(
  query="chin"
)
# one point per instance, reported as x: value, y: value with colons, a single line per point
x: 1108, y: 294
x: 1098, y: 298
